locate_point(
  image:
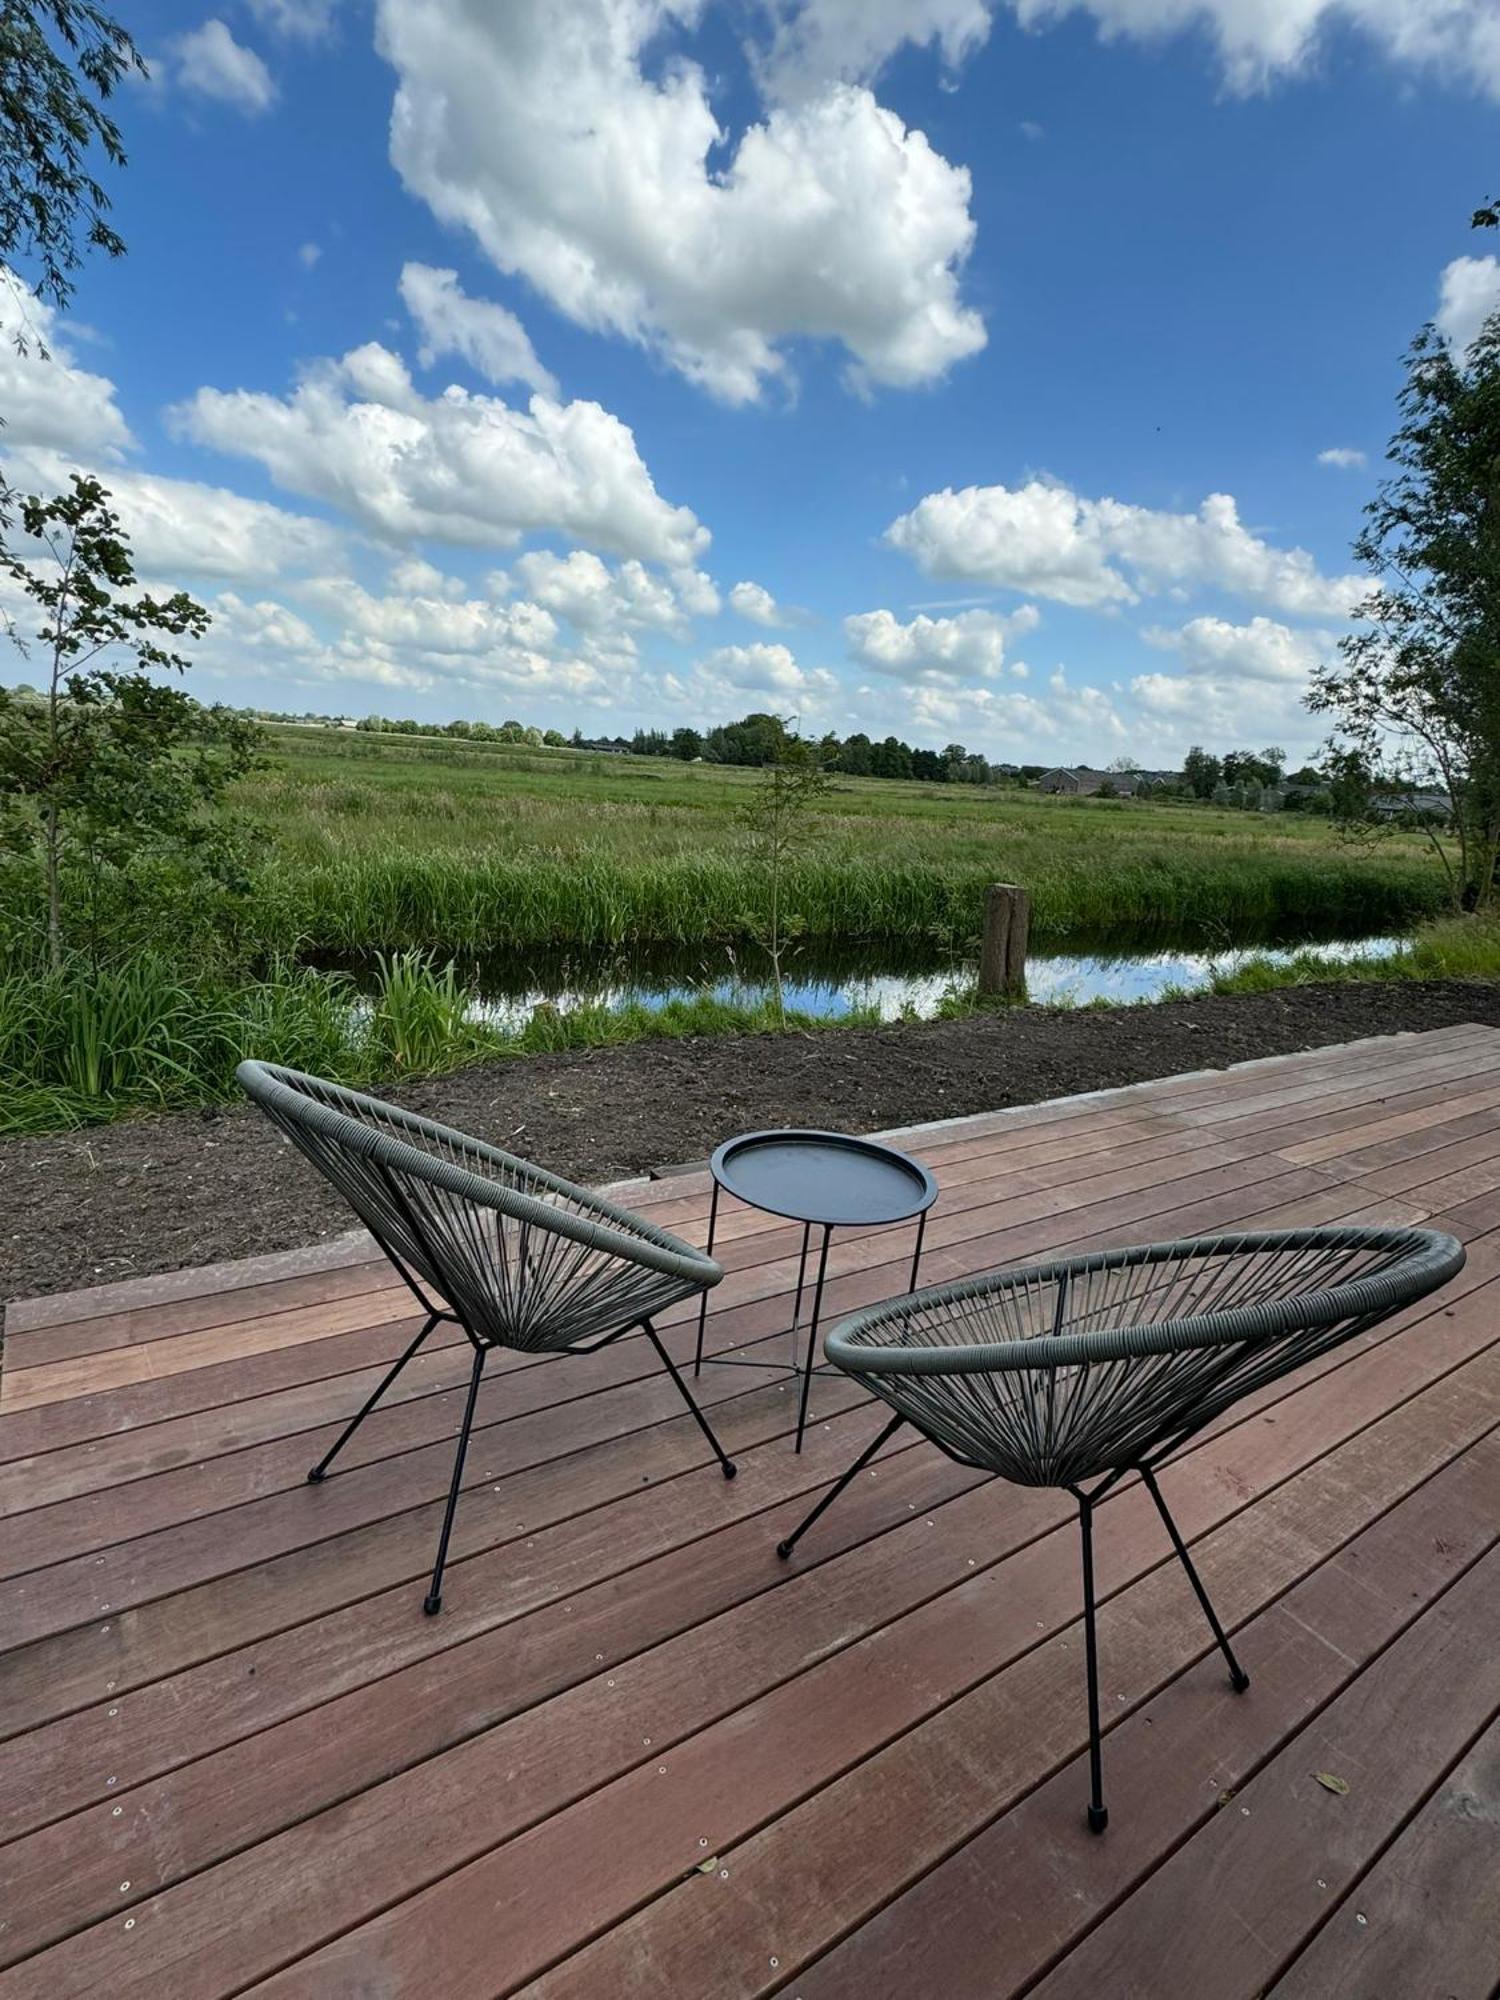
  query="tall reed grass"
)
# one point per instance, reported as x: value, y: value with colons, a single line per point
x: 1457, y: 948
x: 81, y: 1046
x: 483, y: 903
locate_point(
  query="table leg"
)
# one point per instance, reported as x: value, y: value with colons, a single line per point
x: 812, y: 1334
x: 801, y: 1281
x: 713, y: 1217
x: 916, y: 1261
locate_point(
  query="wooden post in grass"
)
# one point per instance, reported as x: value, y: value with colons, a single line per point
x: 1002, y: 953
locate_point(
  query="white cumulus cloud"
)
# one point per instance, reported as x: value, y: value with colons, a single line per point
x: 487, y: 336
x: 576, y: 148
x: 418, y: 639
x: 456, y: 468
x: 1345, y: 456
x: 211, y: 63
x: 1261, y: 650
x: 768, y: 669
x: 45, y: 397
x: 969, y: 647
x: 1469, y: 293
x: 1046, y: 540
x: 1238, y: 683
x: 297, y: 20
x: 755, y: 602
x: 595, y: 598
x: 817, y: 41
x: 1262, y: 41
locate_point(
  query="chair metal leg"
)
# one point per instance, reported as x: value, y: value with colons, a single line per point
x: 321, y: 1468
x: 784, y: 1549
x: 1098, y: 1811
x: 687, y: 1396
x: 433, y: 1602
x: 1239, y: 1680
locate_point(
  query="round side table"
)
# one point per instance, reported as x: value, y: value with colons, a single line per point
x: 827, y: 1181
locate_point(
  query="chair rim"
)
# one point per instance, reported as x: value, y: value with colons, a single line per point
x: 1433, y: 1256
x: 622, y: 1234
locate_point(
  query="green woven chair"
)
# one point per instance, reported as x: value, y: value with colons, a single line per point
x: 514, y: 1256
x: 1090, y: 1368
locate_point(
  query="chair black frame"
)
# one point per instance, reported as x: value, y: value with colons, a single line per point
x: 522, y: 1258
x: 1075, y: 1398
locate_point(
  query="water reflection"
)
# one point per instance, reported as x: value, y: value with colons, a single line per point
x: 866, y: 980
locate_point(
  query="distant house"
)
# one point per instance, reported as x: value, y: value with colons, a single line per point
x: 1082, y: 782
x: 1410, y: 805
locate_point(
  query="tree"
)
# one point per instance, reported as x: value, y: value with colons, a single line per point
x: 114, y: 764
x: 687, y: 744
x: 1201, y: 772
x: 890, y: 759
x: 1350, y: 781
x: 1416, y: 689
x: 553, y: 738
x: 60, y: 61
x: 776, y: 821
x: 855, y: 758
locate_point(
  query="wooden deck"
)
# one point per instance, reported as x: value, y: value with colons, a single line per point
x: 637, y: 1756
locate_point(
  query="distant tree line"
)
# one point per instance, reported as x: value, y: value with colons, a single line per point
x: 760, y: 739
x: 1347, y: 786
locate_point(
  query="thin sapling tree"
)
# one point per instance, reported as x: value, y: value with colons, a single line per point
x: 777, y: 822
x: 108, y: 764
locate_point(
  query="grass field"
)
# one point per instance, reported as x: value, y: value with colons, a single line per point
x: 429, y: 851
x: 391, y: 843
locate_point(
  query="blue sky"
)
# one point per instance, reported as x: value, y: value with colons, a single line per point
x: 466, y: 358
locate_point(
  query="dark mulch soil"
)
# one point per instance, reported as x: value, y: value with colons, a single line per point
x: 156, y: 1194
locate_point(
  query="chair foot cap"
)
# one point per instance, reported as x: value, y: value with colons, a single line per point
x: 316, y: 1476
x: 730, y: 1468
x: 1098, y: 1818
x: 1239, y: 1680
x: 432, y: 1605
x: 784, y: 1550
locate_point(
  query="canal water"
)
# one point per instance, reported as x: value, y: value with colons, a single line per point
x: 891, y: 982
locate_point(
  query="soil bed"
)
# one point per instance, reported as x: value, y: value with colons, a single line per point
x: 120, y: 1201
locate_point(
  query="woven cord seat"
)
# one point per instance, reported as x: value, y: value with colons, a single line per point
x: 1078, y: 1372
x: 513, y: 1255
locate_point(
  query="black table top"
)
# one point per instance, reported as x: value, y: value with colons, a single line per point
x: 823, y: 1177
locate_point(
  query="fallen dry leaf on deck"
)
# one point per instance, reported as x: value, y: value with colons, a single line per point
x: 1330, y: 1783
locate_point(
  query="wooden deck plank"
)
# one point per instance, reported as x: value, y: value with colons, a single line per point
x: 1271, y: 1868
x: 186, y: 1715
x: 912, y: 1743
x: 953, y: 1932
x: 1426, y: 1918
x: 322, y: 1744
x: 1388, y: 1140
x: 227, y: 1699
x: 118, y: 1367
x: 93, y: 1588
x: 180, y: 1301
x: 110, y: 1653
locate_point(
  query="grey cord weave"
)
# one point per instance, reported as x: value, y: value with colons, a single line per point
x: 1063, y: 1371
x: 526, y: 1259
